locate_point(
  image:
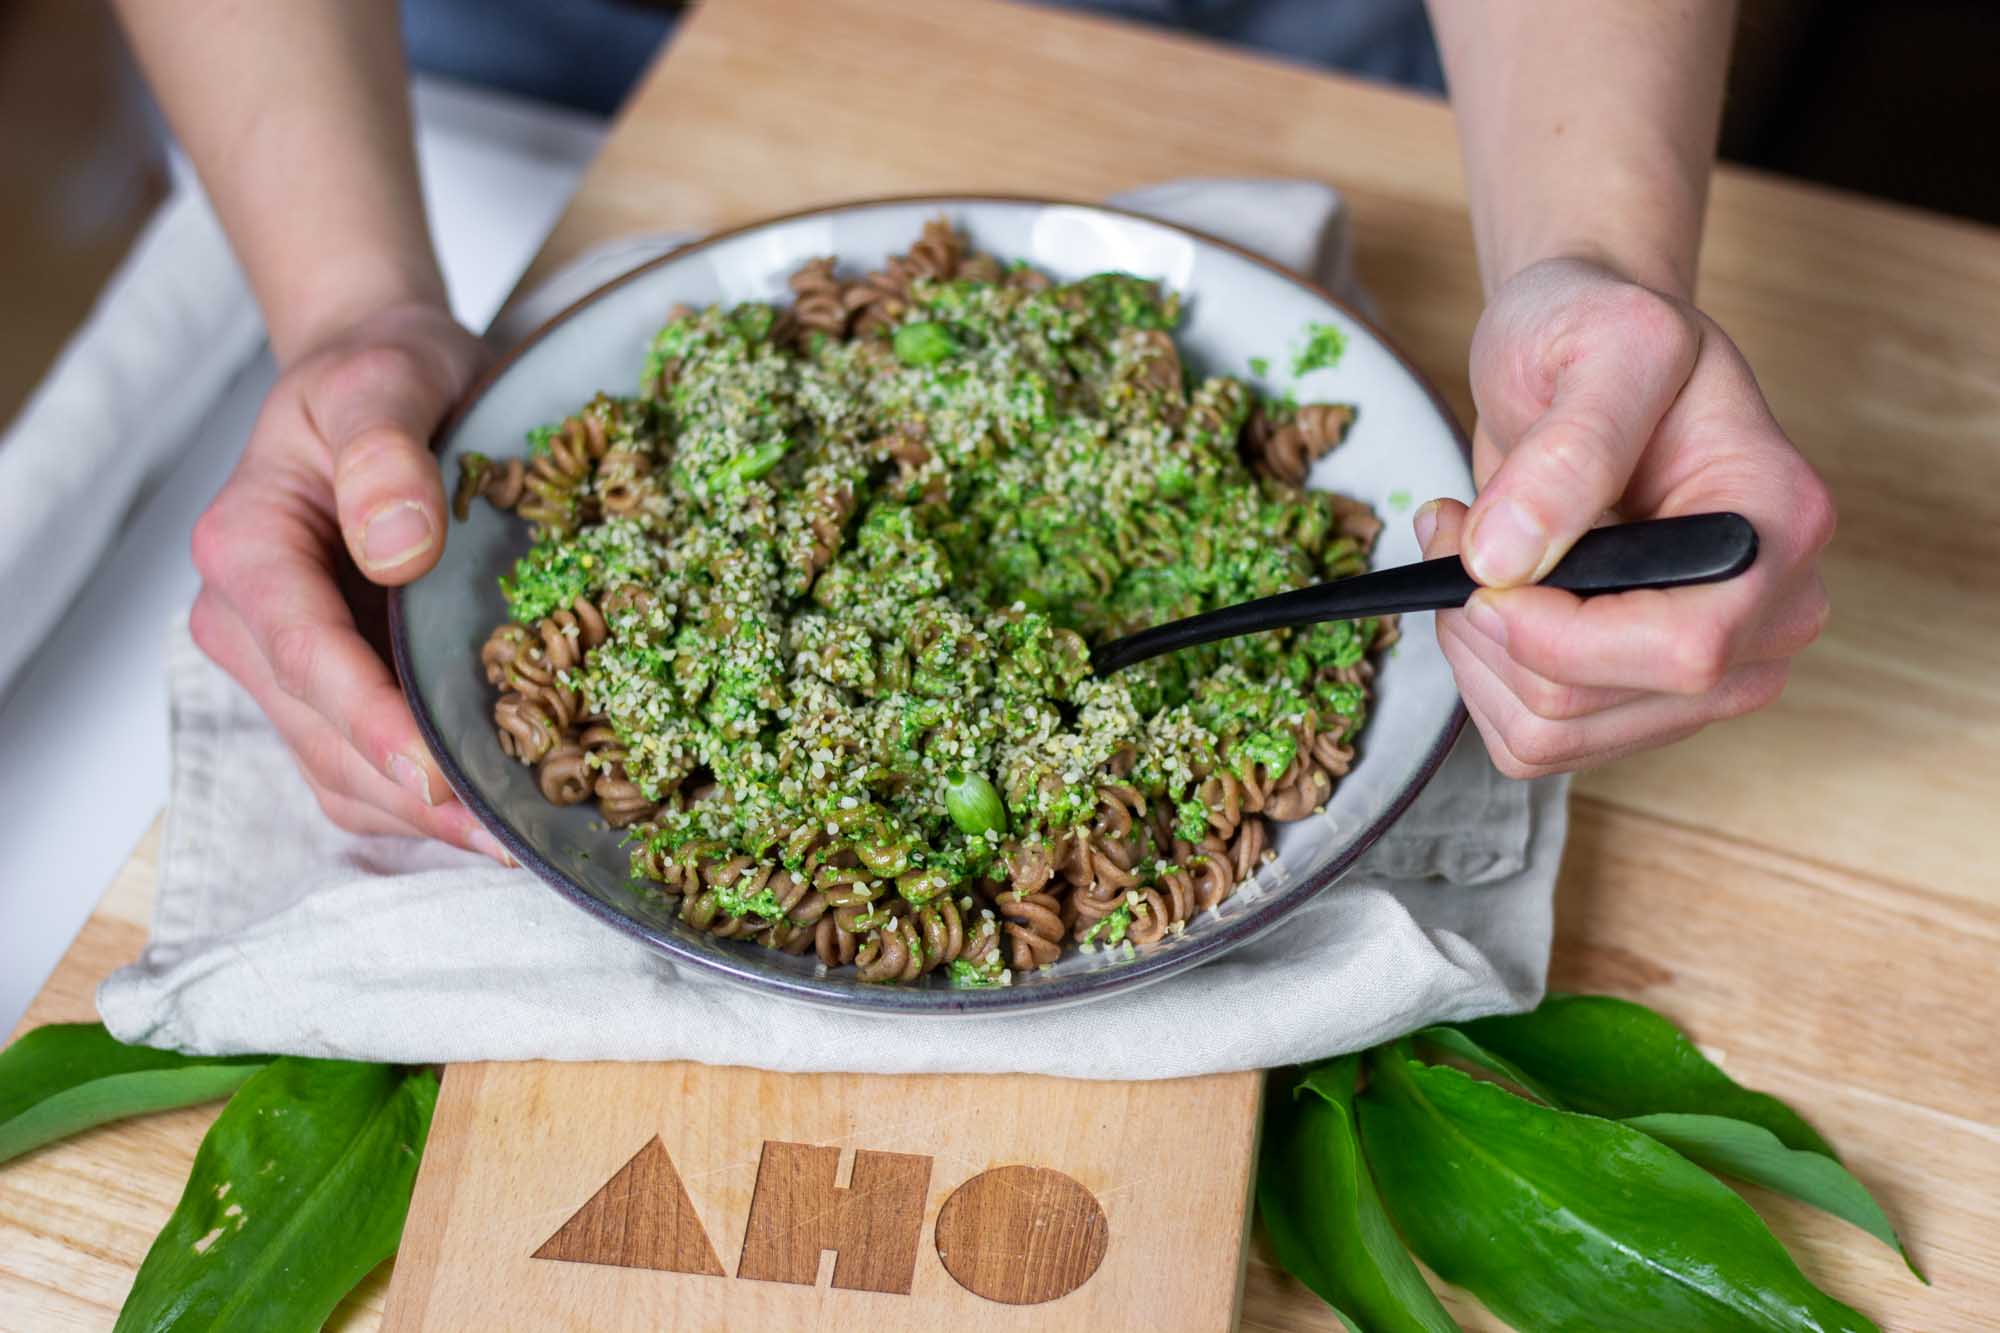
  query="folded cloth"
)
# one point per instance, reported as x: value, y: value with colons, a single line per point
x: 275, y: 932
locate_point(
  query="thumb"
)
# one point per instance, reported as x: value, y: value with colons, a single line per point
x: 1575, y: 460
x: 376, y: 407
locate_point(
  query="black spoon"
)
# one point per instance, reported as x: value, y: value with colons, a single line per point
x: 1655, y: 553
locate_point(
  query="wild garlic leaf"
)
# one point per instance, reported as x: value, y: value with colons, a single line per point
x: 1321, y: 1211
x: 299, y: 1190
x: 62, y: 1079
x: 1448, y: 1038
x: 1751, y: 1152
x: 1618, y: 1059
x: 1567, y: 1223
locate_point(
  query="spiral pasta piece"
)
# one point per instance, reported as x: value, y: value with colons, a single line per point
x: 505, y: 644
x: 527, y: 731
x: 980, y: 267
x: 882, y: 298
x: 564, y: 775
x: 1033, y: 928
x: 892, y: 952
x: 502, y: 483
x: 622, y: 481
x: 1287, y: 449
x: 1302, y: 790
x: 816, y: 303
x: 1152, y: 363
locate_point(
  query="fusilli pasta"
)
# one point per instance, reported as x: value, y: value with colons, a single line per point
x: 810, y: 616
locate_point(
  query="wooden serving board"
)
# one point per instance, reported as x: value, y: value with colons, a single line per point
x: 613, y: 1197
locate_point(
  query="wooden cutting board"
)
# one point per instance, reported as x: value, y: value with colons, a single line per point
x: 680, y: 1196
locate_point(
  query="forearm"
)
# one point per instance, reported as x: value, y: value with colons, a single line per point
x: 297, y: 117
x: 1588, y: 129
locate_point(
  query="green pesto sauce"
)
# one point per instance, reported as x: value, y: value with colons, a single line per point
x: 845, y: 694
x: 1110, y: 928
x: 1322, y: 351
x: 970, y: 975
x: 763, y: 903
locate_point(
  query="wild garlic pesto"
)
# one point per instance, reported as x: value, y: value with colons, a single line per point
x: 848, y: 585
x: 1324, y: 346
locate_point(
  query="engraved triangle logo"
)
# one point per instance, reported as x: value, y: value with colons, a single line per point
x: 640, y: 1218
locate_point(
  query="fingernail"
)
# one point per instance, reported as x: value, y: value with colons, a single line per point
x: 396, y: 533
x: 1426, y: 523
x: 488, y: 845
x: 410, y: 776
x: 1506, y: 545
x: 1481, y: 615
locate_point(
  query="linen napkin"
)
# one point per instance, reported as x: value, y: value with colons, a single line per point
x: 275, y: 932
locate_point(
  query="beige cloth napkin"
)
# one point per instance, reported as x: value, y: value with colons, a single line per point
x: 275, y: 932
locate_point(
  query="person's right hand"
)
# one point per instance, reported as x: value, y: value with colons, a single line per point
x: 339, y: 476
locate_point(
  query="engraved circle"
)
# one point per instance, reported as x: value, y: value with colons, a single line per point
x: 1022, y: 1235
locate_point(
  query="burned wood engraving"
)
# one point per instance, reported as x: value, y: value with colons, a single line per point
x: 640, y: 1218
x: 1022, y: 1235
x: 873, y: 1225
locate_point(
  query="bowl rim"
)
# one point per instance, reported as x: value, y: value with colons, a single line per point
x: 817, y: 989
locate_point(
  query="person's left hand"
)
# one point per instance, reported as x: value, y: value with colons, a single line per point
x: 1601, y: 400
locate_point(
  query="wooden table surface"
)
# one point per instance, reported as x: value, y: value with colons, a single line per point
x: 1808, y: 891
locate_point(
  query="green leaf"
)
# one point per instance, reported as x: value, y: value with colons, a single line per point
x: 1465, y: 1048
x: 1323, y: 1215
x: 64, y: 1078
x: 298, y: 1191
x: 1751, y: 1152
x: 1618, y: 1059
x: 1566, y: 1223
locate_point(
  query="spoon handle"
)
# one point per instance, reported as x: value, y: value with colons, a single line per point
x: 1653, y: 553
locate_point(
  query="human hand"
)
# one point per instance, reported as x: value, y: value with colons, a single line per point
x: 337, y: 487
x: 1600, y: 400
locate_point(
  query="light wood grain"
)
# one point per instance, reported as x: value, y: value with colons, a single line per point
x: 1809, y: 891
x: 76, y: 1217
x: 1167, y: 1163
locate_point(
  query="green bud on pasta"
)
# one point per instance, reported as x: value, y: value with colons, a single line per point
x: 753, y: 464
x: 924, y: 344
x: 973, y: 803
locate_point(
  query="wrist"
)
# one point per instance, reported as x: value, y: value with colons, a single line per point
x: 1655, y: 272
x: 1644, y: 265
x: 1642, y: 225
x: 327, y: 303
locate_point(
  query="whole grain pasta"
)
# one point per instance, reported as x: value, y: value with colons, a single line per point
x: 810, y: 617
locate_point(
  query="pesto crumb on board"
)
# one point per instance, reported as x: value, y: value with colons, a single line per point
x: 848, y: 588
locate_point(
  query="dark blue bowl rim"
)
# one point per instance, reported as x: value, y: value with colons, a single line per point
x: 738, y: 963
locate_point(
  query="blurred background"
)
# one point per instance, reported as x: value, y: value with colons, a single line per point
x: 1893, y: 98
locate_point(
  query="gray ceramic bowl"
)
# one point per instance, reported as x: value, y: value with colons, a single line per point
x: 1404, y: 448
